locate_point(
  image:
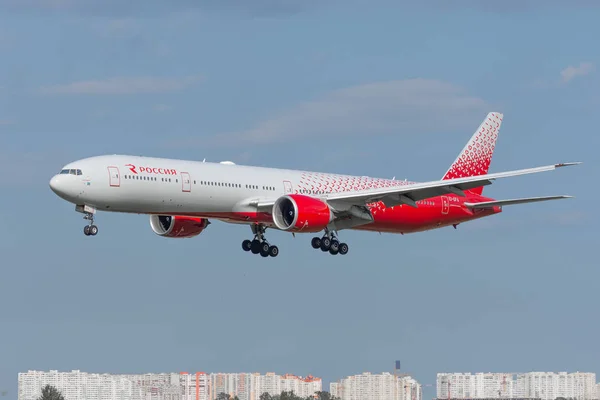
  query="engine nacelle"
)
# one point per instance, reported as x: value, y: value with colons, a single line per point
x: 299, y: 213
x: 177, y: 226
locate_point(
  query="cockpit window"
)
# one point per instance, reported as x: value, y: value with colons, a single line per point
x: 71, y: 172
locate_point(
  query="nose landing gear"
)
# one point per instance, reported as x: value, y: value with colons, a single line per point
x: 90, y: 229
x: 260, y: 245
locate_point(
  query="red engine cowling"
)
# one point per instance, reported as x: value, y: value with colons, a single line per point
x: 299, y: 213
x: 177, y: 226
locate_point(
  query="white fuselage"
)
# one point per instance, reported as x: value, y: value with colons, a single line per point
x: 146, y: 185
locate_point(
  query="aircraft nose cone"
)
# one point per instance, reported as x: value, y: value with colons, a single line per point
x: 55, y: 184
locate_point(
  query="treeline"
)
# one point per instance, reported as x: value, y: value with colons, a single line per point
x: 284, y: 396
x: 51, y: 393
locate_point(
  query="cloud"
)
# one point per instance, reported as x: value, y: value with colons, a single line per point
x: 119, y: 28
x: 162, y: 107
x: 29, y: 163
x: 571, y: 72
x: 509, y: 6
x: 123, y: 85
x: 390, y: 107
x: 160, y: 7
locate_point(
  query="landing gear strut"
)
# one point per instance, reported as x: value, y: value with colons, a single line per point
x: 329, y: 242
x: 90, y: 229
x: 260, y: 245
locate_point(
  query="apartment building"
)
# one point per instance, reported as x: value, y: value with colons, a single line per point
x: 368, y: 386
x: 531, y: 385
x: 77, y: 385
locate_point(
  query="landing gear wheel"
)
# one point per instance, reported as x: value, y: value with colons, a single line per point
x: 334, y: 247
x: 264, y: 249
x: 86, y: 230
x: 325, y: 243
x: 343, y: 248
x: 255, y: 246
x: 93, y: 230
x: 247, y: 245
x: 316, y: 242
x: 273, y: 251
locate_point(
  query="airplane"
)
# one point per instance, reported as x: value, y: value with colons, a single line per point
x: 181, y: 197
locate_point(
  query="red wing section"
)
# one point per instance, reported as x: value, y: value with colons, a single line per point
x: 299, y: 213
x: 177, y: 226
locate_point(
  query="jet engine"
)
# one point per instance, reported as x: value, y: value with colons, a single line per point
x: 177, y: 226
x: 297, y: 213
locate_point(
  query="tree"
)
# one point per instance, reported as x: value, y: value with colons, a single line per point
x: 265, y: 396
x: 50, y: 393
x: 289, y: 396
x: 326, y: 396
x: 223, y: 396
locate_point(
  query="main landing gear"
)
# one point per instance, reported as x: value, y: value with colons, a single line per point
x: 90, y: 229
x: 260, y: 245
x: 329, y: 242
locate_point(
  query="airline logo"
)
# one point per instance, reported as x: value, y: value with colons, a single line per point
x: 151, y: 170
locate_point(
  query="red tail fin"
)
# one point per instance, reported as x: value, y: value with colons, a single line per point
x: 476, y: 156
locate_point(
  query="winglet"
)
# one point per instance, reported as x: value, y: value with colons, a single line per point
x: 567, y: 164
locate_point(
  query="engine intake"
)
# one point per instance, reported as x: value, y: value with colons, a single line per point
x: 297, y: 213
x: 177, y: 226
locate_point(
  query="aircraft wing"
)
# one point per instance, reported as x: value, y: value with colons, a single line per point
x: 490, y: 204
x: 411, y: 193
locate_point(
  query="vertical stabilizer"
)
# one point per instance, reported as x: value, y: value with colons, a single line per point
x: 476, y: 156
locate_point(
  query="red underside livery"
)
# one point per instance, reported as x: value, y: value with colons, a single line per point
x: 181, y: 196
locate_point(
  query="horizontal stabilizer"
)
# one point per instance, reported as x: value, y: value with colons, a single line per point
x: 490, y: 204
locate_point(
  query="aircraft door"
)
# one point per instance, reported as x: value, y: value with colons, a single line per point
x: 114, y: 180
x: 445, y: 205
x: 186, y: 183
x: 287, y: 187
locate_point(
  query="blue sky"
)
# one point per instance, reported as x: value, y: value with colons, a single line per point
x: 368, y: 88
